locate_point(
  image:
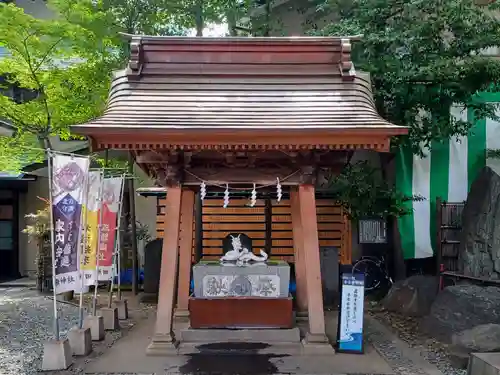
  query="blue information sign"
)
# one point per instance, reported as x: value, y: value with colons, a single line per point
x: 350, y: 334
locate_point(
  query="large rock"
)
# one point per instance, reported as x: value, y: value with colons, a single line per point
x: 479, y: 250
x: 484, y: 338
x: 461, y: 307
x: 413, y: 296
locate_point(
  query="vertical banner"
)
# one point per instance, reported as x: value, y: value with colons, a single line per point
x: 350, y: 332
x: 92, y: 211
x: 111, y: 202
x: 69, y: 175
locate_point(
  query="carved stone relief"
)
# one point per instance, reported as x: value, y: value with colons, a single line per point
x: 241, y: 286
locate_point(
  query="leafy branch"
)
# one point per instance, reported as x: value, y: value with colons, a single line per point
x: 360, y: 189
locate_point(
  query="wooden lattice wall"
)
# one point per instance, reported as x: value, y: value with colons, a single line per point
x: 268, y: 224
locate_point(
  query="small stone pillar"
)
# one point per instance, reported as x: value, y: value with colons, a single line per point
x: 56, y: 355
x: 96, y: 326
x: 122, y: 307
x: 110, y: 318
x: 80, y: 341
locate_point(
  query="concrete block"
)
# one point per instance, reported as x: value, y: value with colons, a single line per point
x: 96, y: 326
x: 484, y: 364
x: 317, y: 345
x: 122, y: 306
x: 110, y: 318
x: 163, y: 345
x: 181, y: 315
x: 56, y: 355
x: 80, y: 341
x: 241, y: 335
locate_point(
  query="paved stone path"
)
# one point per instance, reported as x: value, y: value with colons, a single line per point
x: 26, y: 322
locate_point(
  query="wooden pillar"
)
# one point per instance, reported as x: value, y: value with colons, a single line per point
x: 298, y: 246
x: 198, y: 227
x: 185, y: 252
x: 163, y: 341
x: 307, y: 203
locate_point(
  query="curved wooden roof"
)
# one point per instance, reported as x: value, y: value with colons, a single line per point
x: 186, y: 92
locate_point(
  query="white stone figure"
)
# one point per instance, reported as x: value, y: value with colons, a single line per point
x: 247, y: 256
x: 240, y: 254
x: 234, y: 254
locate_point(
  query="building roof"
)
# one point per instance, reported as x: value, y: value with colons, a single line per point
x: 188, y: 88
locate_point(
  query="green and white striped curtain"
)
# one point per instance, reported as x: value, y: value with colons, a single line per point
x: 447, y: 172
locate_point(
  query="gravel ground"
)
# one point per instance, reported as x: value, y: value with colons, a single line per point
x: 26, y: 321
x: 407, y: 329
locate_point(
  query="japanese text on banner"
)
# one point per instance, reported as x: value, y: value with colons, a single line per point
x: 92, y: 211
x: 69, y: 175
x: 111, y: 200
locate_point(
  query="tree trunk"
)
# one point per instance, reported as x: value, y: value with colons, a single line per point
x: 40, y: 266
x: 231, y: 21
x: 199, y: 21
x: 267, y: 24
x: 44, y: 142
x: 399, y: 266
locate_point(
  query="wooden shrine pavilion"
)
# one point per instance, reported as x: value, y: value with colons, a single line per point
x: 237, y: 112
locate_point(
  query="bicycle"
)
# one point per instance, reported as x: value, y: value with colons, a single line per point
x: 375, y: 271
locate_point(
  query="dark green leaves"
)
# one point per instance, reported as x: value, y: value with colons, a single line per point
x: 423, y: 56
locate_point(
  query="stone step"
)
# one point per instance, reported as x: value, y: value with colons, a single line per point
x: 484, y: 364
x: 240, y: 335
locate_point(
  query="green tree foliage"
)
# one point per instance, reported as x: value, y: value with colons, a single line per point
x: 63, y: 71
x: 64, y: 66
x: 423, y: 56
x: 362, y: 191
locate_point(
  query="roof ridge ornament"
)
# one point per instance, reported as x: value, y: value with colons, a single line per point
x: 136, y: 61
x: 347, y: 70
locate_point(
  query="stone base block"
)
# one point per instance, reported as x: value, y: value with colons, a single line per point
x: 241, y: 313
x: 317, y: 345
x: 241, y: 335
x: 110, y: 318
x: 484, y: 364
x: 96, y: 326
x: 163, y: 345
x: 122, y: 306
x: 56, y: 355
x: 80, y: 341
x: 181, y: 314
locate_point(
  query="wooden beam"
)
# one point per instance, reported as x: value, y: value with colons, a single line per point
x: 186, y: 251
x: 198, y: 227
x: 298, y: 246
x: 307, y: 203
x: 268, y: 213
x: 244, y: 176
x: 164, y: 341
